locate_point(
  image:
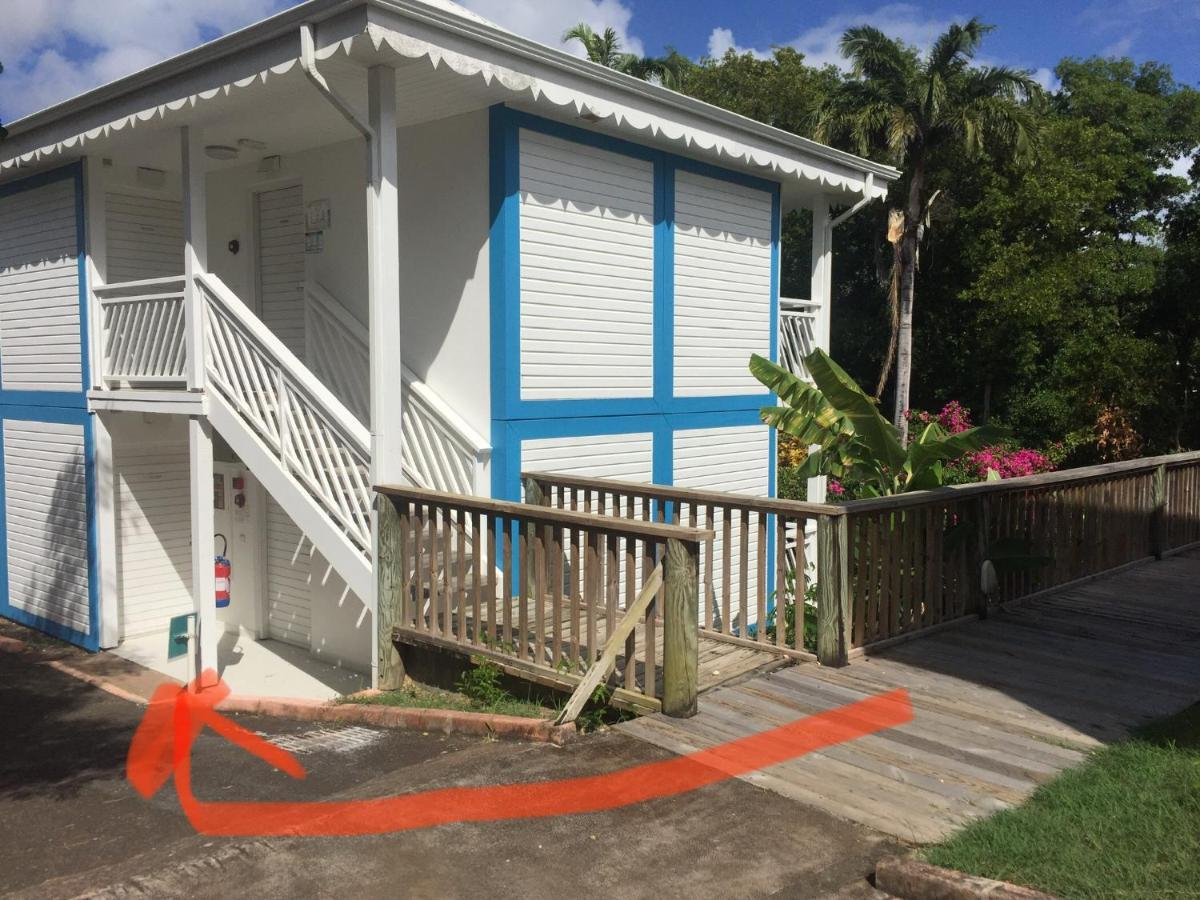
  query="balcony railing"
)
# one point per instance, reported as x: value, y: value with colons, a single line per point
x: 797, y: 333
x: 143, y: 324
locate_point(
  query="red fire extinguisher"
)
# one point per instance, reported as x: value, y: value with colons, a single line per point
x: 222, y: 570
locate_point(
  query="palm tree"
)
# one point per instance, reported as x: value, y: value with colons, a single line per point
x: 605, y: 50
x: 907, y: 106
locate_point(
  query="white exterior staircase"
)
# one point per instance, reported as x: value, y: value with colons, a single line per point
x: 300, y: 430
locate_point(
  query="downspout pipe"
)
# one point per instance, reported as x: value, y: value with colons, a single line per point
x: 867, y: 198
x: 308, y: 63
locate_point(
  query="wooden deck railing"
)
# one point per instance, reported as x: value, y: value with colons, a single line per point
x: 543, y: 592
x: 924, y: 559
x: 743, y: 574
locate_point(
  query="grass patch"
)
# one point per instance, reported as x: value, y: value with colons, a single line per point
x: 421, y: 697
x: 480, y: 689
x: 1126, y: 824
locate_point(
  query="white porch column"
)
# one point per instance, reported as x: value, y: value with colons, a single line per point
x: 195, y: 250
x: 200, y: 468
x: 106, y: 521
x: 383, y: 262
x: 821, y: 292
x: 200, y: 443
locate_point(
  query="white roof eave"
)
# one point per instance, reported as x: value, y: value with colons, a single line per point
x: 473, y: 48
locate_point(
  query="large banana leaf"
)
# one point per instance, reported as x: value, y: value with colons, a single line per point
x: 840, y: 391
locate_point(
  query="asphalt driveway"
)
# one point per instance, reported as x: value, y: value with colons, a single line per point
x: 71, y: 825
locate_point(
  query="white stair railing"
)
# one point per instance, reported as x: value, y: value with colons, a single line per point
x: 142, y: 325
x: 442, y: 451
x: 313, y: 437
x: 797, y: 333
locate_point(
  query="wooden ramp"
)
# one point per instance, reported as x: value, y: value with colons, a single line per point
x: 720, y: 661
x: 1001, y: 705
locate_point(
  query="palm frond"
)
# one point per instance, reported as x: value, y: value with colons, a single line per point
x: 872, y: 54
x: 956, y: 45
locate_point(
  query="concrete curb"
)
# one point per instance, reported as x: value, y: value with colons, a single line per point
x: 910, y: 879
x: 445, y: 721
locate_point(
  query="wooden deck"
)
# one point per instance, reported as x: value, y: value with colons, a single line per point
x: 1001, y: 705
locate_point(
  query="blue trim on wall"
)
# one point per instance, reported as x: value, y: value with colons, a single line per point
x: 514, y: 419
x: 67, y: 407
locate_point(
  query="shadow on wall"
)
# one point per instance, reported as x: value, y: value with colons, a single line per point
x: 58, y: 588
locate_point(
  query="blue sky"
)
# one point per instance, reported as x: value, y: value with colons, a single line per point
x: 53, y: 49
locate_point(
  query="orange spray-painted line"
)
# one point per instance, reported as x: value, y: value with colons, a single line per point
x: 163, y: 743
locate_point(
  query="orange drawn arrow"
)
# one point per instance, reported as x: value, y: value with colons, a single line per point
x: 162, y: 747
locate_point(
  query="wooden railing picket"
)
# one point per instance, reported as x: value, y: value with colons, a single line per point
x: 556, y: 616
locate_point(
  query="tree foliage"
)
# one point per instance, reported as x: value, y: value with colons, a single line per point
x: 1055, y: 297
x: 604, y: 48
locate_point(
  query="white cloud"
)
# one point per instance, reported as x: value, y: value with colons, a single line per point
x: 546, y: 20
x: 819, y: 44
x: 721, y: 42
x: 1045, y: 76
x: 1181, y: 168
x: 54, y: 49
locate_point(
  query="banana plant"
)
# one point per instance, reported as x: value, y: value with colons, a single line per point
x: 851, y: 440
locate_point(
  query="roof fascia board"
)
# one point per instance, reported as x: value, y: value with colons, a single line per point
x: 586, y: 76
x: 238, y: 55
x: 276, y: 40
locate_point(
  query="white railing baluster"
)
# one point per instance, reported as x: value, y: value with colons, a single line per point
x: 314, y: 437
x: 138, y: 347
x: 441, y: 450
x: 797, y: 334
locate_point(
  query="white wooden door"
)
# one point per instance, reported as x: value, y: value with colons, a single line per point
x: 279, y: 215
x: 154, y: 534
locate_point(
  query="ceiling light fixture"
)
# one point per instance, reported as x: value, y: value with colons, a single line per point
x: 251, y: 144
x: 221, y: 151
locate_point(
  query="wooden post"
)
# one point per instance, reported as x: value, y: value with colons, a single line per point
x: 681, y: 626
x: 1158, y: 512
x: 833, y: 591
x: 391, y: 582
x: 982, y: 595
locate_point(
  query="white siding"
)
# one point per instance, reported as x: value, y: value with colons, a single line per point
x: 736, y: 459
x: 722, y: 285
x: 280, y: 218
x: 154, y: 561
x: 144, y: 237
x: 587, y: 271
x: 289, y: 569
x: 624, y: 457
x: 39, y: 290
x: 46, y: 507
